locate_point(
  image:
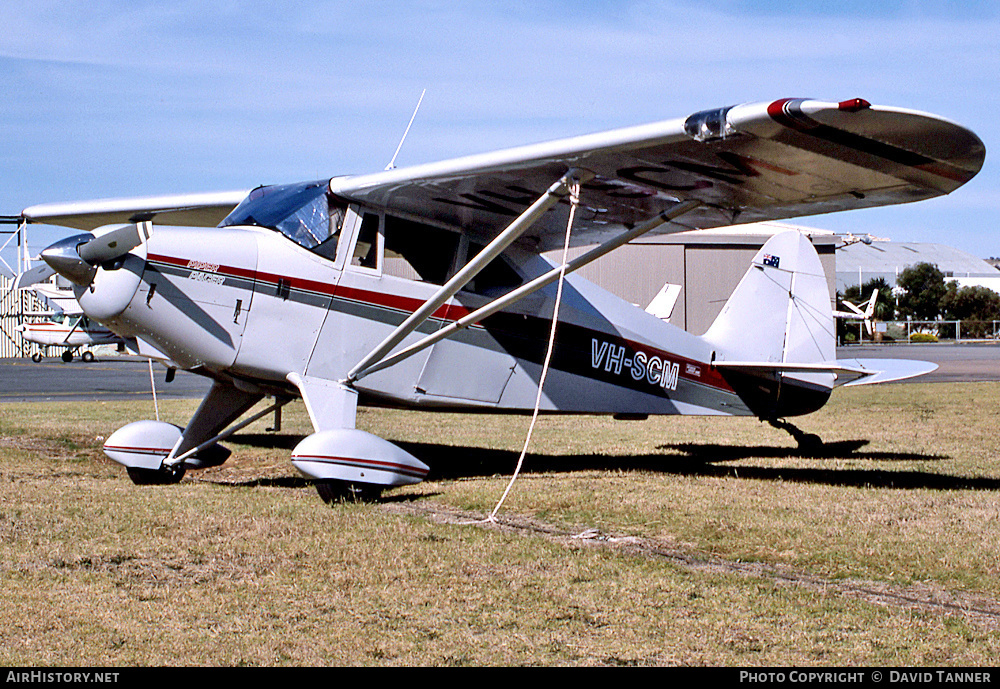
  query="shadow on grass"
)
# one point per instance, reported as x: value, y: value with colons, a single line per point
x: 449, y: 462
x: 693, y: 459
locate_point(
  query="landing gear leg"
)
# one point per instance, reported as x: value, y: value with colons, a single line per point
x: 809, y: 442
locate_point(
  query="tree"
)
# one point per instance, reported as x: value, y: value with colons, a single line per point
x: 923, y: 286
x: 976, y: 307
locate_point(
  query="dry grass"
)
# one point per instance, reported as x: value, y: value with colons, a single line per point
x: 242, y: 564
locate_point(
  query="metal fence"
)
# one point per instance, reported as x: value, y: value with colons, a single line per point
x: 924, y: 331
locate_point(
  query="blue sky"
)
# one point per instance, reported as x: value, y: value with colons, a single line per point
x: 157, y: 98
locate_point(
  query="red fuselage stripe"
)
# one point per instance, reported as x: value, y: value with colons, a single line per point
x: 449, y: 312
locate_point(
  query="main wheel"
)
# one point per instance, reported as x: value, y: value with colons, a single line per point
x: 36, y: 357
x: 333, y: 492
x: 156, y: 477
x: 67, y: 356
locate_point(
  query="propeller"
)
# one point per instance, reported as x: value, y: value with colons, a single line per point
x: 76, y: 258
x: 117, y: 241
x: 39, y: 273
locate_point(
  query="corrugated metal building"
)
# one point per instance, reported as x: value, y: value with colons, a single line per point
x: 707, y: 264
x: 859, y: 262
x: 13, y: 307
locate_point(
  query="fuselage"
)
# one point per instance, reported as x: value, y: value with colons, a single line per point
x: 248, y: 304
x: 64, y: 333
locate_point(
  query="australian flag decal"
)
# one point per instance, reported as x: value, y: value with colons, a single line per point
x: 770, y: 260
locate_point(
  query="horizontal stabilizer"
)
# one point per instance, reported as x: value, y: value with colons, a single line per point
x: 847, y: 371
x: 886, y: 370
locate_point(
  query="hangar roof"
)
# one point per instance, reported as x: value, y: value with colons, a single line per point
x: 887, y: 259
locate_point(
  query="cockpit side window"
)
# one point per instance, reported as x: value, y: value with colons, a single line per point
x: 417, y: 251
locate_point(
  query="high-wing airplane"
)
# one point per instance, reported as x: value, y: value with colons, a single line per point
x: 66, y: 326
x: 863, y: 312
x: 426, y: 287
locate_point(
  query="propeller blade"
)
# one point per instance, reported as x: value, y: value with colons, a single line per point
x: 116, y: 241
x: 34, y: 275
x: 76, y: 258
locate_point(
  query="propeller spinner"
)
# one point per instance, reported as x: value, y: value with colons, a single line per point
x: 76, y: 258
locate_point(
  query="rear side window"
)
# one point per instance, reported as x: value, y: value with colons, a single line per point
x: 498, y: 277
x: 417, y: 251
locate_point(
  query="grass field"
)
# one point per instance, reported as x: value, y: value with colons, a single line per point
x: 712, y: 541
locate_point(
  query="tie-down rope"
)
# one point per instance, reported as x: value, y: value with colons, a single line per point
x: 574, y: 197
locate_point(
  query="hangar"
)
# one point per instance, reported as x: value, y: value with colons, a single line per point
x: 706, y: 265
x: 861, y: 261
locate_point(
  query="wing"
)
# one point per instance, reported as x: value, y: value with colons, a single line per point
x: 63, y: 300
x: 197, y: 210
x: 744, y: 164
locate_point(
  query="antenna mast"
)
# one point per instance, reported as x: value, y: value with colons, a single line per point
x: 392, y: 163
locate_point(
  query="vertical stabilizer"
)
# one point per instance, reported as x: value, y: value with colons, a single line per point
x: 780, y: 313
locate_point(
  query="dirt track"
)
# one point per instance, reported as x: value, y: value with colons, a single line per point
x: 978, y: 610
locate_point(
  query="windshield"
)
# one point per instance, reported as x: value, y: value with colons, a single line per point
x: 301, y: 212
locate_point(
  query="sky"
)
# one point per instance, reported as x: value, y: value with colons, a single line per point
x: 160, y: 98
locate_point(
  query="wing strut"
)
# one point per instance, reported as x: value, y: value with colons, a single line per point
x: 532, y: 286
x: 556, y: 193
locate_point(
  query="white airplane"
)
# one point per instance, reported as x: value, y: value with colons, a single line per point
x: 862, y: 312
x: 66, y: 327
x: 425, y: 287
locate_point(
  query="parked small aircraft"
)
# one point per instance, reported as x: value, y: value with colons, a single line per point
x: 862, y: 312
x: 426, y: 287
x: 65, y: 327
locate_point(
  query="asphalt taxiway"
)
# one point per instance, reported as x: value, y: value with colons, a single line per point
x: 957, y: 363
x: 117, y: 378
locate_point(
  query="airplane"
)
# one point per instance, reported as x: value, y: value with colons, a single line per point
x: 425, y: 287
x: 862, y: 312
x: 66, y: 326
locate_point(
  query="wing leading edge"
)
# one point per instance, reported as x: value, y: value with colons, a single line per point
x: 746, y: 163
x: 196, y: 210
